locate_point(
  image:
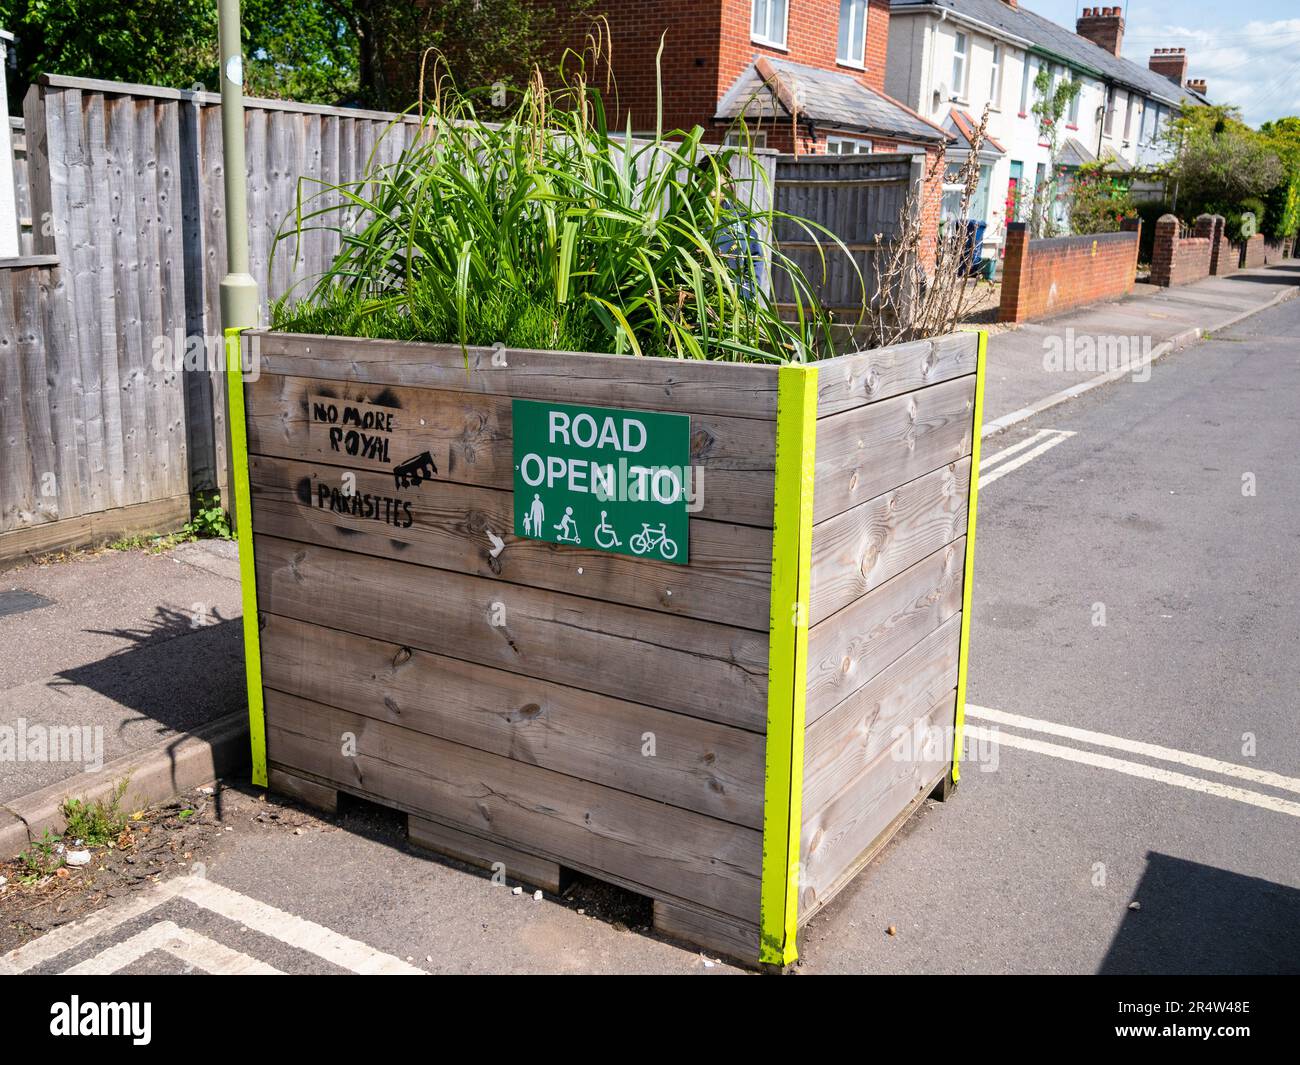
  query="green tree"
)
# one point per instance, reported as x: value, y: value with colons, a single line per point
x: 295, y: 49
x: 315, y: 51
x: 1218, y: 162
x: 481, y: 42
x: 1282, y: 203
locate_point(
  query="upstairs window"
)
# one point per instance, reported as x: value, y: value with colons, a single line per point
x: 853, y: 32
x: 767, y: 22
x: 995, y: 79
x: 1108, y: 119
x: 1073, y: 117
x: 960, y: 46
x: 1026, y: 84
x: 1128, y: 118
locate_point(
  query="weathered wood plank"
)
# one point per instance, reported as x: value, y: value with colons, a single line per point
x: 742, y: 390
x: 861, y: 548
x: 17, y: 495
x: 737, y: 455
x: 124, y: 386
x: 728, y: 579
x: 852, y: 380
x: 849, y: 648
x: 573, y: 822
x: 88, y: 239
x: 28, y: 290
x: 697, y: 765
x: 864, y: 452
x: 49, y: 178
x: 845, y: 740
x: 97, y: 527
x: 698, y: 668
x: 170, y: 280
x: 839, y: 838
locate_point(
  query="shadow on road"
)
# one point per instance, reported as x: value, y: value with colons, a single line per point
x: 180, y: 669
x: 1196, y: 919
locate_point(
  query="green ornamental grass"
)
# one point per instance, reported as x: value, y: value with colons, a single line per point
x: 548, y: 231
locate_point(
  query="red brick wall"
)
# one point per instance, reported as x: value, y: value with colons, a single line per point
x: 708, y: 46
x: 1044, y: 277
x: 1254, y: 254
x: 1180, y: 260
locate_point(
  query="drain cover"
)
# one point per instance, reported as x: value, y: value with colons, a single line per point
x: 19, y: 600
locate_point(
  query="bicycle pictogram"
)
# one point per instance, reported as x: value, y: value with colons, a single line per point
x: 648, y: 539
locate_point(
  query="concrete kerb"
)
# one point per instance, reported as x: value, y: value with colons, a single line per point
x: 155, y: 773
x: 1175, y: 343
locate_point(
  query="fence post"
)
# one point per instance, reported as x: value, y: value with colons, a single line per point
x: 1204, y: 227
x: 1164, y: 251
x: 1014, y: 265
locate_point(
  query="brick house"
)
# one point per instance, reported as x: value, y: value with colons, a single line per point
x: 806, y: 76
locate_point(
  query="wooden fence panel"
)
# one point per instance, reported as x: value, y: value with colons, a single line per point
x: 123, y: 185
x: 860, y: 199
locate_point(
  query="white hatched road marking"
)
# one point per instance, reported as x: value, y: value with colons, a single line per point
x: 1151, y: 750
x: 1052, y: 438
x: 1136, y: 769
x: 1007, y: 452
x: 340, y: 950
x: 297, y: 932
x: 182, y: 943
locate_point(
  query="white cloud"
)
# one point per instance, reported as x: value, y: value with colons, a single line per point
x: 1254, y: 66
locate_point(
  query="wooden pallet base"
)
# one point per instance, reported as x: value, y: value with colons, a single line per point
x: 308, y: 792
x: 944, y: 790
x: 484, y: 854
x: 713, y: 932
x: 716, y: 933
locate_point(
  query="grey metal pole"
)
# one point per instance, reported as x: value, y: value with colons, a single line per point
x: 239, y: 308
x: 238, y: 289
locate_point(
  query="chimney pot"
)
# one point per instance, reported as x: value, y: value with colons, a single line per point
x: 1170, y: 63
x: 1103, y: 26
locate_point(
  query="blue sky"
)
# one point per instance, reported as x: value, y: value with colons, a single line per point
x: 1248, y: 52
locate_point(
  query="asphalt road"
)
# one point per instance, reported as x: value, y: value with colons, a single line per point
x: 1139, y: 519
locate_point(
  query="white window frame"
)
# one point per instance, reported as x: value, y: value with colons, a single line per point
x: 856, y: 10
x: 1072, y: 114
x: 1128, y: 118
x: 1027, y: 84
x: 757, y: 139
x: 836, y: 143
x: 960, y: 55
x: 995, y: 77
x: 769, y: 7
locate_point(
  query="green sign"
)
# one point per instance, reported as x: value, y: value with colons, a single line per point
x: 603, y: 479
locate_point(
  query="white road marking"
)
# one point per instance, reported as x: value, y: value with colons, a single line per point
x: 1151, y: 750
x: 1058, y: 436
x: 1137, y: 769
x: 1007, y: 452
x: 54, y: 943
x: 184, y: 944
x: 297, y: 932
x: 340, y: 950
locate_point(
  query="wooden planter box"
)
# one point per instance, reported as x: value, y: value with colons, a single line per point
x: 734, y: 737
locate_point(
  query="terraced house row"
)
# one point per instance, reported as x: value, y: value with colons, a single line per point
x: 843, y: 77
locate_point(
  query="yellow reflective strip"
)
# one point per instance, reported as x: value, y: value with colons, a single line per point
x: 968, y: 570
x: 247, y: 571
x: 787, y: 663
